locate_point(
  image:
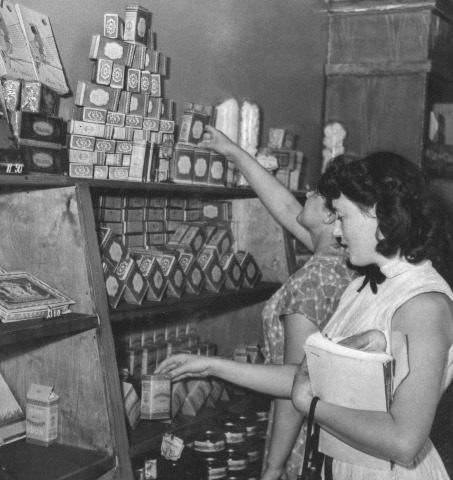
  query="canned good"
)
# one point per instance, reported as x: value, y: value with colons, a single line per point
x: 209, y: 441
x: 215, y: 466
x: 234, y: 433
x: 250, y: 422
x: 237, y: 458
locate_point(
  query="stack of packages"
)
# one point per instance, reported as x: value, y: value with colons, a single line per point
x: 141, y: 347
x: 146, y: 258
x: 32, y: 80
x: 289, y: 162
x: 120, y: 119
x: 190, y: 163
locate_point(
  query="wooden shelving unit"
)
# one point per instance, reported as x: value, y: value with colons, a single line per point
x: 48, y: 229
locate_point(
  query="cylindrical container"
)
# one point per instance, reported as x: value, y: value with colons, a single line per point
x: 210, y: 441
x: 234, y: 434
x: 215, y: 466
x: 237, y: 458
x: 250, y: 422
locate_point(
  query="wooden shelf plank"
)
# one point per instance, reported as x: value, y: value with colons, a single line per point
x: 35, y: 181
x: 56, y: 462
x: 224, y: 301
x: 26, y: 330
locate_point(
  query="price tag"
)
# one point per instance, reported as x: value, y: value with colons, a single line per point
x: 171, y: 447
x: 53, y: 312
x: 11, y: 168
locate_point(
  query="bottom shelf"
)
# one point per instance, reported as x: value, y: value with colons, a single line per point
x: 56, y: 462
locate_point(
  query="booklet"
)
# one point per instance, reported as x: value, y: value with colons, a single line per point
x: 355, y: 379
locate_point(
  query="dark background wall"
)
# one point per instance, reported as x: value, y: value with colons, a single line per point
x: 269, y: 51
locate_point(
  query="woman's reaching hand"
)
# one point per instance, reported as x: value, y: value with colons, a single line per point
x: 183, y: 365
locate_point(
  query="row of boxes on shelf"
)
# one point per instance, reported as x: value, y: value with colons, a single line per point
x: 142, y: 221
x: 29, y: 96
x: 139, y: 349
x: 192, y: 265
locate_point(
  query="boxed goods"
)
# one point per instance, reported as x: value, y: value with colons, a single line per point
x: 156, y: 397
x: 41, y: 415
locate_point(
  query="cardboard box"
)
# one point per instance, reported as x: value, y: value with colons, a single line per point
x: 44, y: 161
x: 137, y: 24
x: 41, y: 415
x: 97, y: 96
x: 113, y: 49
x: 37, y: 127
x: 118, y: 77
x: 234, y: 273
x: 37, y: 97
x: 153, y: 274
x: 131, y: 404
x: 215, y: 276
x: 81, y: 170
x: 156, y: 397
x: 113, y: 26
x: 252, y: 273
x: 201, y: 166
x: 217, y: 170
x: 192, y: 128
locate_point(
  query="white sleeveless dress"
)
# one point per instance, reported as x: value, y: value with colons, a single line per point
x: 358, y: 312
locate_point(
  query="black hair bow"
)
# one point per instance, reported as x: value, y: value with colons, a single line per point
x: 373, y: 276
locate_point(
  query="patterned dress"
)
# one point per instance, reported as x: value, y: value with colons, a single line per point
x: 403, y: 282
x: 313, y: 291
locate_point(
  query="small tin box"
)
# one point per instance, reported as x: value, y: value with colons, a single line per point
x: 137, y: 24
x: 201, y: 166
x: 113, y: 49
x: 217, y: 170
x: 181, y: 165
x: 97, y: 96
x: 118, y: 76
x: 252, y: 273
x: 156, y: 397
x: 42, y: 415
x: 113, y: 26
x: 81, y: 170
x: 102, y: 71
x: 152, y: 272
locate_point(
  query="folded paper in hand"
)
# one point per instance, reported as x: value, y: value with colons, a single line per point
x: 355, y: 379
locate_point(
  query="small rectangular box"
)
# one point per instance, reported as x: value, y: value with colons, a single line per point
x: 141, y: 135
x: 234, y: 273
x: 81, y: 170
x: 157, y: 202
x: 134, y: 121
x: 156, y: 397
x: 104, y: 145
x: 113, y: 159
x: 192, y: 128
x: 217, y: 170
x: 181, y: 165
x: 118, y: 76
x: 113, y: 49
x: 154, y: 108
x: 133, y: 214
x: 145, y: 82
x: 156, y: 239
x: 201, y: 165
x: 221, y: 241
x: 118, y: 173
x: 128, y: 273
x: 138, y: 104
x: 152, y: 272
x: 101, y: 172
x: 137, y: 24
x: 82, y: 156
x: 138, y: 159
x: 112, y: 215
x: 82, y: 142
x: 119, y: 133
x: 126, y: 160
x: 252, y: 273
x: 162, y: 70
x: 192, y: 215
x: 124, y: 103
x: 37, y: 127
x: 139, y: 57
x: 102, y: 71
x: 78, y: 127
x: 168, y: 109
x: 151, y: 124
x: 152, y: 61
x: 42, y: 415
x: 176, y: 238
x: 37, y: 97
x: 11, y: 91
x: 44, y: 161
x: 133, y: 80
x: 155, y: 90
x: 154, y: 227
x: 113, y: 26
x: 88, y: 114
x: 167, y: 126
x: 113, y: 286
x: 155, y: 214
x: 131, y: 404
x: 97, y: 96
x: 193, y: 239
x: 116, y: 119
x: 124, y: 147
x: 175, y: 214
x: 209, y: 263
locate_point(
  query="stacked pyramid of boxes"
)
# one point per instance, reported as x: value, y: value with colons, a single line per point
x: 192, y: 164
x: 120, y: 118
x: 196, y: 255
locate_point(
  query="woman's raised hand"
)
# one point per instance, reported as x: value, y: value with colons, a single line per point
x: 215, y: 140
x: 183, y: 365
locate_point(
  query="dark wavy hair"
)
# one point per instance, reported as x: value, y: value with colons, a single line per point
x: 408, y: 219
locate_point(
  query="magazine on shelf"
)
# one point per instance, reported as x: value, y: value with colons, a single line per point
x: 12, y: 418
x: 25, y: 297
x: 356, y: 379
